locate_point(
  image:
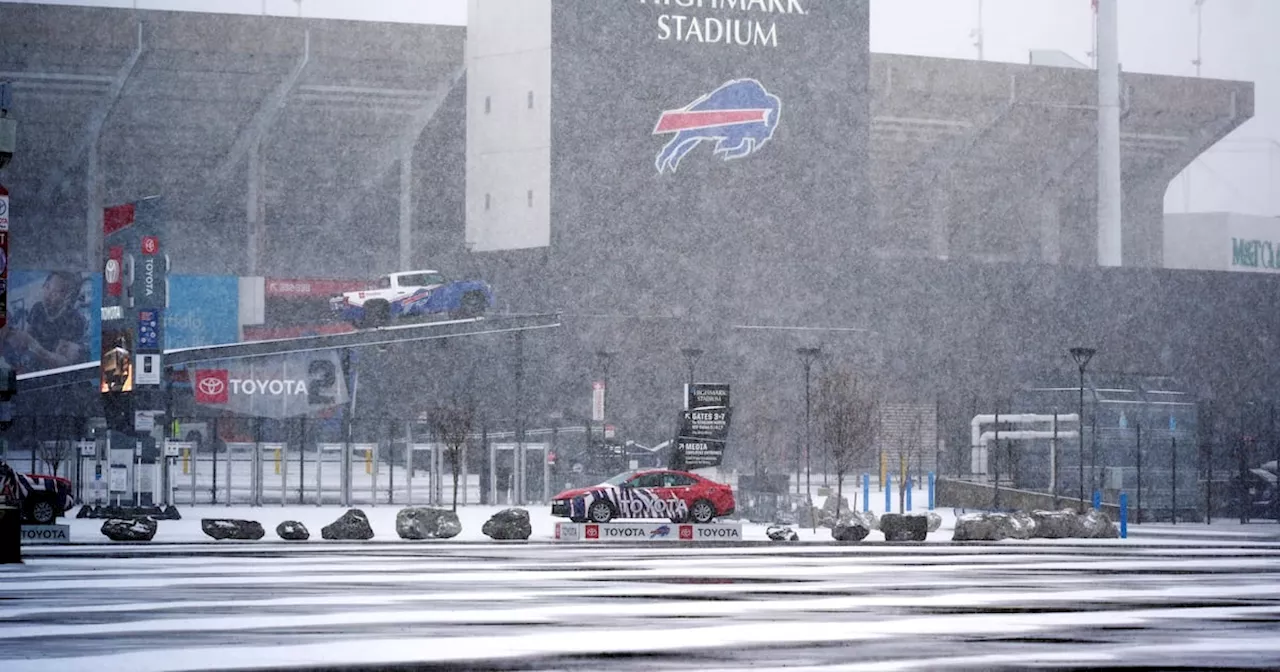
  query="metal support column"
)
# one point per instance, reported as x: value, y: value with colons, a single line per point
x: 406, y: 206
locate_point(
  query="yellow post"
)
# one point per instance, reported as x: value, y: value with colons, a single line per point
x: 277, y: 461
x: 368, y: 461
x: 884, y: 468
x: 902, y: 478
x: 186, y: 461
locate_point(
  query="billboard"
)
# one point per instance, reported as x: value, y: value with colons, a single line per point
x: 53, y: 320
x: 203, y: 310
x: 277, y: 386
x: 730, y: 131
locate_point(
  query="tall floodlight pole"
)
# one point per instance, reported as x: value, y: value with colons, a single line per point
x: 1110, y: 240
x: 1082, y: 357
x: 1199, y: 35
x: 807, y: 355
x: 979, y: 35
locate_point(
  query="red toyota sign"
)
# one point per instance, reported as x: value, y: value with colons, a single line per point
x: 150, y: 245
x: 212, y: 386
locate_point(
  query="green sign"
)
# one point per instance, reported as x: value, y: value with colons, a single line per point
x: 1255, y: 253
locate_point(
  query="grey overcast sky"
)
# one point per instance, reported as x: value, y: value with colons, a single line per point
x: 1241, y: 174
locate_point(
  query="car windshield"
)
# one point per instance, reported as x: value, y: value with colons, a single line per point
x: 619, y: 479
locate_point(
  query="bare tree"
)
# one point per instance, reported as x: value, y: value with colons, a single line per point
x: 451, y: 425
x: 910, y: 447
x: 848, y: 422
x: 54, y: 453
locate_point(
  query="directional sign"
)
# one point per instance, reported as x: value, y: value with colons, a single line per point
x: 700, y: 454
x: 706, y: 425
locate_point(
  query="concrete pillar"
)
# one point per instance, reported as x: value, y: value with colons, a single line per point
x: 1048, y: 214
x: 93, y: 207
x: 1110, y: 193
x: 406, y: 207
x: 940, y: 217
x: 256, y: 229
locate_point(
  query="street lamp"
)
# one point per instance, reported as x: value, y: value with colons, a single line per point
x: 1082, y: 357
x: 605, y: 358
x: 691, y: 356
x: 807, y: 355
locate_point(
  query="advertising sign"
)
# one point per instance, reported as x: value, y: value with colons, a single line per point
x: 597, y: 401
x: 116, y: 359
x: 55, y: 310
x: 203, y: 310
x: 278, y: 386
x: 709, y: 425
x: 45, y: 534
x: 648, y: 532
x: 4, y: 255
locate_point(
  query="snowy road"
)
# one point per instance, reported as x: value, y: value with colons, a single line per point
x: 539, y: 606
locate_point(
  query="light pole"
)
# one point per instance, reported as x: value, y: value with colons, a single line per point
x: 691, y: 356
x: 605, y: 358
x: 807, y: 355
x: 1082, y: 357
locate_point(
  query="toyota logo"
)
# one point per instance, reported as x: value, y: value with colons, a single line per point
x: 212, y: 386
x: 113, y: 271
x: 4, y: 207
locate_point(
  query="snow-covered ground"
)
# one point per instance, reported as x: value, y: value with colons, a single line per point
x: 515, y: 606
x: 382, y: 518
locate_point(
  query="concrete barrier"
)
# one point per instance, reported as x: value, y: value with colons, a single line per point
x: 656, y: 532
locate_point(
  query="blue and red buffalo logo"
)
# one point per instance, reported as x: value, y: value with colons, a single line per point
x: 740, y: 117
x: 660, y: 531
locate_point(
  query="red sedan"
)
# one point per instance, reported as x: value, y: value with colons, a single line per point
x: 680, y: 496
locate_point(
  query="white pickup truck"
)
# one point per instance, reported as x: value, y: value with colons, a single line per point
x: 412, y: 293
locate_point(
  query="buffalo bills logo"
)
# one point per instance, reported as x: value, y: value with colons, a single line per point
x: 660, y: 531
x: 740, y: 117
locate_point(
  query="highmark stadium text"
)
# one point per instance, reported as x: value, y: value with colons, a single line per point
x: 720, y: 30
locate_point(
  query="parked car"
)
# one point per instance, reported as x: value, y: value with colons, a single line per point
x: 680, y: 496
x: 45, y: 498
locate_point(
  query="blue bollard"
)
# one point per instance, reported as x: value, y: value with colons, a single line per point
x: 1097, y: 499
x: 932, y: 485
x: 866, y: 493
x: 1124, y: 515
x: 910, y: 484
x: 888, y: 493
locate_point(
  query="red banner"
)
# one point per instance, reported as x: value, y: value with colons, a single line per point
x: 303, y: 288
x: 117, y: 218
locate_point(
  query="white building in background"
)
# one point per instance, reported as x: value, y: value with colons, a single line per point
x: 1222, y: 241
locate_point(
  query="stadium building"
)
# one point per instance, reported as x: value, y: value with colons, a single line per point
x: 927, y: 222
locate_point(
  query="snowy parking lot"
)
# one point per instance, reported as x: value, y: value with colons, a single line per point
x: 1168, y: 603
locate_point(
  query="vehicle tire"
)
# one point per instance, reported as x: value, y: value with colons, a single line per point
x: 600, y: 511
x: 702, y: 512
x: 42, y: 511
x: 377, y: 314
x: 473, y: 304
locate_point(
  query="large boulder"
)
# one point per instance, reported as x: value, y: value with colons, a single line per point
x: 935, y: 521
x: 292, y: 530
x: 993, y: 527
x: 851, y: 531
x: 781, y: 533
x: 130, y: 529
x: 1057, y: 524
x: 170, y: 512
x: 508, y: 524
x: 904, y: 527
x: 1095, y: 524
x: 427, y: 523
x: 827, y: 515
x: 351, y: 526
x: 231, y: 528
